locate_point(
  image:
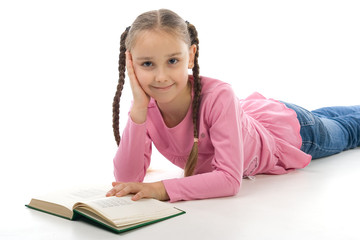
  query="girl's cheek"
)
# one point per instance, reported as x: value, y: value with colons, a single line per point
x: 144, y: 80
x: 139, y: 74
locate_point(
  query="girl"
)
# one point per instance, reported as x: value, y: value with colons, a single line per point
x: 198, y: 123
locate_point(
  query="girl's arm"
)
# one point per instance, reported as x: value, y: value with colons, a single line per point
x: 134, y: 153
x: 224, y: 117
x: 130, y: 164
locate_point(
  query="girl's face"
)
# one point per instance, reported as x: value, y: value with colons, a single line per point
x: 161, y: 63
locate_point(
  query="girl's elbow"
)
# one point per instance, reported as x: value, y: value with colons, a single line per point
x: 235, y: 186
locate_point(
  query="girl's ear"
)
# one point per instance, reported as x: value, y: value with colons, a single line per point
x: 192, y: 52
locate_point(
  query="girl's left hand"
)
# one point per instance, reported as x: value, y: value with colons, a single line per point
x: 141, y: 190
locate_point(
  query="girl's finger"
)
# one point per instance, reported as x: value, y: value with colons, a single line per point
x: 129, y: 188
x: 132, y: 76
x: 125, y: 190
x: 130, y: 69
x: 115, y: 183
x: 129, y: 64
x: 110, y: 193
x: 138, y: 196
x: 114, y: 190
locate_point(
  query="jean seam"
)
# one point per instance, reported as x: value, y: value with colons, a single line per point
x: 319, y: 147
x: 305, y: 124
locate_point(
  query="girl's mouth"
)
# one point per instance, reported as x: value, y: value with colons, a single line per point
x: 163, y: 87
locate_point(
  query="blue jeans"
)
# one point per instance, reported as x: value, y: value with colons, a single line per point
x: 327, y: 131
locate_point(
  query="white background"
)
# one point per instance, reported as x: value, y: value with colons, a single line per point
x: 58, y: 74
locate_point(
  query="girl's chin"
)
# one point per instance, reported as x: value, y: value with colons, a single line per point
x: 162, y: 100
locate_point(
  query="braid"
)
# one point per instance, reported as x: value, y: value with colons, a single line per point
x: 197, y: 83
x: 116, y: 101
x: 192, y: 159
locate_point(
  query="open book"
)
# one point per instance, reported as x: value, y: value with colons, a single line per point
x: 118, y: 214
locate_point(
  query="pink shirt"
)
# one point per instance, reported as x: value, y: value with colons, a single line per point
x: 237, y: 138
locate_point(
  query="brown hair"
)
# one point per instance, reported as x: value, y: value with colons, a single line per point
x: 170, y: 22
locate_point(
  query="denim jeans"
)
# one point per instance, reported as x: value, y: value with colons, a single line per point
x: 327, y: 131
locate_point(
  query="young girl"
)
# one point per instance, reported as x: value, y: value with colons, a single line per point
x: 199, y: 124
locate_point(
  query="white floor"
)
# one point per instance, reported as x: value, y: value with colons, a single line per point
x: 58, y: 75
x: 321, y: 201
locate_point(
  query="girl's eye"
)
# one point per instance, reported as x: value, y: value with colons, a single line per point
x: 173, y: 61
x: 147, y: 64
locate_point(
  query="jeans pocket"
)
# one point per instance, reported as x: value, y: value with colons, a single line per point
x: 305, y: 117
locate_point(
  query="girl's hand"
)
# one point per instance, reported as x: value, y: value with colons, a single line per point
x: 141, y: 99
x: 141, y: 190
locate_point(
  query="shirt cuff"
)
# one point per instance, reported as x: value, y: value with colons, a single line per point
x: 172, y: 189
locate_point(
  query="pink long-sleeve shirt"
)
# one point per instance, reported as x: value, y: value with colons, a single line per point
x: 237, y: 138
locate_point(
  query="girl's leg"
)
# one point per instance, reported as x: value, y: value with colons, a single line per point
x: 328, y: 131
x: 337, y: 111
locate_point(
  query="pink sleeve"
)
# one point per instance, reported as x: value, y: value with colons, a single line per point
x: 133, y: 155
x: 225, y: 129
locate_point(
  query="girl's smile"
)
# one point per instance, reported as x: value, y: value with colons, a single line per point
x: 163, y: 88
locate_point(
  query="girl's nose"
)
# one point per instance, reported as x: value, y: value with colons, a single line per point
x: 161, y: 75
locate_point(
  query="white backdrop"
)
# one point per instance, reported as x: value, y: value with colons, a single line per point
x: 58, y: 73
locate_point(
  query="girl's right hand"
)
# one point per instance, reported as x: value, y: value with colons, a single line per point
x: 141, y: 99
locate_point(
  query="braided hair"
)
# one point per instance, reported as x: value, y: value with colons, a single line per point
x: 169, y: 22
x: 193, y: 156
x: 120, y: 86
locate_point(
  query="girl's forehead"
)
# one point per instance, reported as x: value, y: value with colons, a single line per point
x: 157, y: 34
x: 157, y: 41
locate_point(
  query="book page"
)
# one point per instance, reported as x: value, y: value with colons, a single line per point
x: 68, y: 198
x: 123, y: 211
